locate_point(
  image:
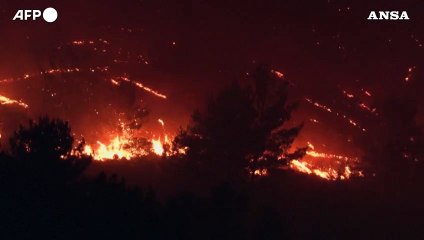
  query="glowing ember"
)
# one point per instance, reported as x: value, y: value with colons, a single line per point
x: 260, y: 172
x: 323, y: 107
x: 313, y: 120
x: 161, y: 122
x: 278, y: 73
x: 409, y: 74
x: 349, y: 95
x: 366, y: 92
x: 362, y: 105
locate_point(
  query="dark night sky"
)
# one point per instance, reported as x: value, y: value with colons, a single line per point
x: 322, y: 47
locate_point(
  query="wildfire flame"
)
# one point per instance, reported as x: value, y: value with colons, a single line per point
x: 118, y: 147
x: 328, y: 173
x: 7, y: 101
x: 157, y: 147
x: 115, y: 81
x: 114, y: 150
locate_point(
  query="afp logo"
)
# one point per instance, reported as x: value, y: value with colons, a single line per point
x: 49, y: 15
x: 388, y: 15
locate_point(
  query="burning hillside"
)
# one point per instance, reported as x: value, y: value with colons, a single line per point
x: 108, y: 94
x: 211, y: 119
x: 99, y: 84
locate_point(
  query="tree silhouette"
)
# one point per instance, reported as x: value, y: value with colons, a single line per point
x: 241, y: 129
x: 45, y: 148
x: 397, y: 147
x: 129, y: 125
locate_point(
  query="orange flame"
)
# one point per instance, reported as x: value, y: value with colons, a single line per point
x: 118, y: 147
x: 157, y: 147
x: 7, y: 101
x: 329, y: 172
x: 114, y: 150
